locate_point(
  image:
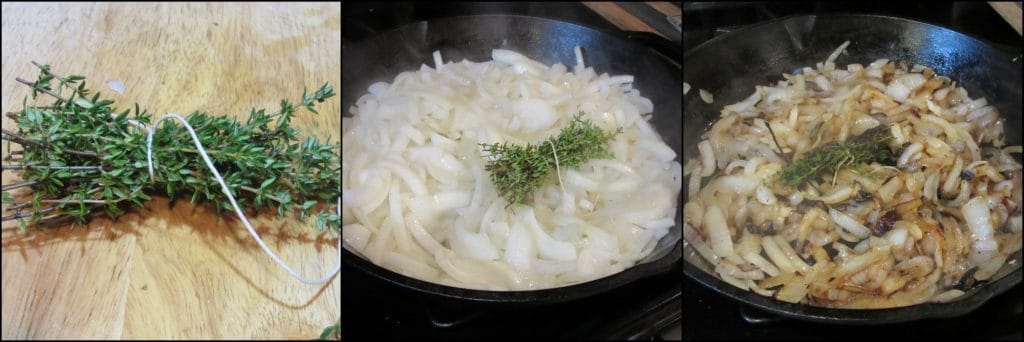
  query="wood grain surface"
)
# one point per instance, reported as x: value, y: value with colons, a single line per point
x: 1011, y: 12
x: 620, y: 17
x: 173, y: 269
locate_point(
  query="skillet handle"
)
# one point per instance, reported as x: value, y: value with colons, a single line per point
x: 658, y: 43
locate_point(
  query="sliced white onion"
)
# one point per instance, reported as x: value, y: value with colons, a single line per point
x: 579, y: 59
x: 706, y: 96
x: 791, y: 254
x: 718, y: 232
x: 951, y: 132
x: 897, y: 91
x: 707, y: 155
x: 775, y: 253
x: 438, y: 62
x: 765, y: 195
x: 850, y: 224
x: 838, y: 194
x: 979, y: 220
x: 474, y: 245
x: 951, y: 178
x: 356, y: 235
x: 896, y: 236
x: 931, y: 187
x: 691, y: 236
x: 547, y: 247
x: 741, y: 106
x: 520, y: 250
x: 729, y: 269
x: 857, y: 263
x: 830, y: 61
x: 823, y: 83
x: 903, y: 85
x: 909, y: 154
x: 948, y: 296
x: 693, y: 187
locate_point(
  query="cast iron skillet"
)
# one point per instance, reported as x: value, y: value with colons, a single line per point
x: 729, y: 66
x: 658, y: 78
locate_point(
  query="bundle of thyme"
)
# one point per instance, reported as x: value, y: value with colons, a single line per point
x: 80, y: 154
x: 519, y: 170
x: 870, y: 146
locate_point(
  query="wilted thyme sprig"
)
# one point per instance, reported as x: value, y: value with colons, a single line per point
x: 870, y: 146
x: 80, y: 154
x: 519, y: 170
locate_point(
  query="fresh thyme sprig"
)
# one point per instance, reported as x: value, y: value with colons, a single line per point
x: 871, y: 146
x: 519, y: 170
x: 80, y: 154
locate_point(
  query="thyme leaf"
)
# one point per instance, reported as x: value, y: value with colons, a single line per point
x: 331, y: 332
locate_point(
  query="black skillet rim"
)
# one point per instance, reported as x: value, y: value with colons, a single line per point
x: 540, y: 296
x: 834, y: 15
x: 967, y: 303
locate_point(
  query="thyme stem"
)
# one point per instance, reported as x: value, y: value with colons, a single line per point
x: 7, y: 135
x: 27, y: 167
x: 48, y: 92
x: 17, y: 185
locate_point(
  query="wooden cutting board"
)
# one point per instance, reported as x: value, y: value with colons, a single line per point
x: 173, y: 269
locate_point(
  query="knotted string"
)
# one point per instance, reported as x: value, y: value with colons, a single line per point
x: 227, y: 191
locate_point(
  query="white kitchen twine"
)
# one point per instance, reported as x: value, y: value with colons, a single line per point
x: 224, y: 187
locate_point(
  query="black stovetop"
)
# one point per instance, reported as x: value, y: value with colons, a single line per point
x: 373, y: 309
x: 712, y: 316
